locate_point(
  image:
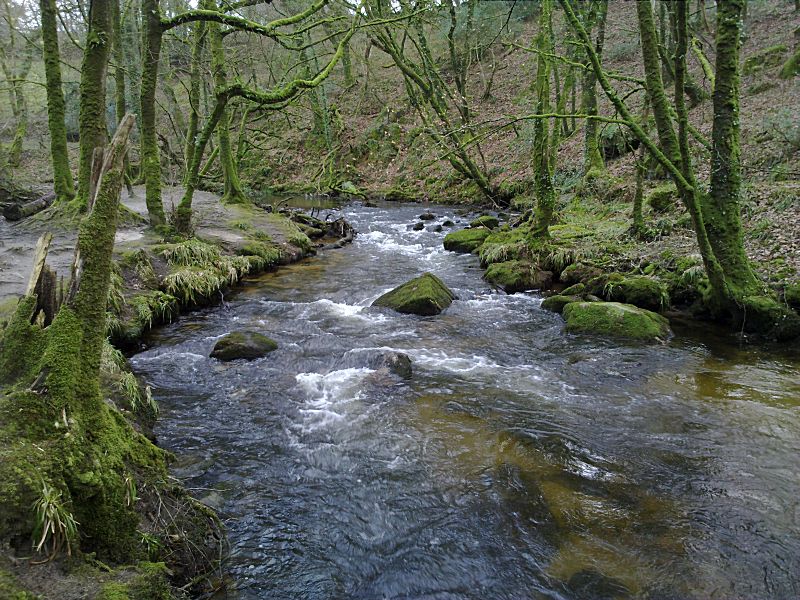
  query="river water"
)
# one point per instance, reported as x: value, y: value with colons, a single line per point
x: 518, y: 462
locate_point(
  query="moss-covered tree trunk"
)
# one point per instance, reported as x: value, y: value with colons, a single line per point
x: 59, y: 155
x: 92, y: 113
x: 654, y: 82
x: 721, y: 209
x: 543, y: 167
x: 152, y: 35
x: 593, y: 163
x: 198, y: 44
x: 233, y: 186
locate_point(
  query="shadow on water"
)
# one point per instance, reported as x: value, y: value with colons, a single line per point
x: 517, y: 462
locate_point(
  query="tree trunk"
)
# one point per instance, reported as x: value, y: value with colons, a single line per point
x: 593, y: 164
x: 230, y: 172
x: 722, y: 210
x: 92, y: 114
x: 152, y: 35
x: 59, y: 155
x: 545, y: 194
x: 198, y: 43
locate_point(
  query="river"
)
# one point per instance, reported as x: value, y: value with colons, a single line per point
x: 518, y: 462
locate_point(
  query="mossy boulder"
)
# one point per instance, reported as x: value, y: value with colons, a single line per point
x: 574, y: 290
x: 641, y: 291
x: 558, y: 302
x: 663, y: 198
x: 425, y: 295
x: 765, y: 59
x: 792, y: 66
x: 395, y: 363
x: 518, y: 276
x: 487, y: 221
x: 465, y: 241
x: 243, y: 344
x: 615, y: 319
x: 578, y: 273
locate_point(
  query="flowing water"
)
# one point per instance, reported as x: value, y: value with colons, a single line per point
x: 518, y: 462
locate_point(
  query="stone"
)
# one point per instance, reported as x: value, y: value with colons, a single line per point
x: 578, y: 273
x: 425, y: 295
x: 558, y: 302
x: 518, y: 276
x: 614, y: 319
x: 487, y: 221
x: 447, y: 223
x: 418, y: 226
x: 395, y: 363
x: 574, y: 290
x: 644, y: 292
x: 242, y: 344
x: 465, y: 241
x: 435, y: 228
x: 427, y: 216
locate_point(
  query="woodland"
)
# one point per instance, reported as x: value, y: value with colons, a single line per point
x: 607, y: 153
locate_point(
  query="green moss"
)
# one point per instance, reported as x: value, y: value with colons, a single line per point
x: 465, y: 240
x: 269, y: 253
x: 574, y: 290
x: 663, y: 198
x: 765, y: 59
x: 518, y: 276
x: 578, y: 273
x: 615, y: 320
x: 115, y: 591
x: 425, y: 295
x: 21, y: 344
x: 487, y: 221
x: 504, y: 245
x: 767, y: 317
x: 644, y: 292
x: 10, y: 589
x: 558, y: 302
x: 243, y: 344
x: 792, y: 66
x: 791, y: 295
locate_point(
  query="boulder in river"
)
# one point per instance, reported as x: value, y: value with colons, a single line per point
x: 427, y: 216
x: 396, y: 363
x: 419, y: 226
x: 425, y: 295
x: 487, y: 221
x: 466, y: 240
x: 518, y: 276
x: 558, y: 302
x: 616, y: 320
x: 243, y: 344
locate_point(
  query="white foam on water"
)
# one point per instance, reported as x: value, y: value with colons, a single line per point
x: 390, y: 245
x: 168, y: 355
x: 340, y: 309
x: 439, y: 360
x: 328, y: 395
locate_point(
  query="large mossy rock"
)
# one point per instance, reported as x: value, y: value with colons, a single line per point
x: 767, y: 317
x: 426, y: 295
x: 466, y: 241
x: 615, y: 320
x: 663, y: 198
x: 243, y: 344
x: 765, y: 59
x: 518, y: 276
x: 487, y: 221
x: 644, y: 292
x: 578, y: 273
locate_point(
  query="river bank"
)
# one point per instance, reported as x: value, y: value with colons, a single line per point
x: 182, y: 541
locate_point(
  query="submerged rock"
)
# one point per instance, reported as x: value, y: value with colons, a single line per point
x: 243, y: 344
x: 616, y: 320
x: 518, y: 276
x: 466, y: 241
x: 487, y: 221
x: 395, y: 363
x: 558, y: 302
x: 425, y: 295
x: 447, y: 223
x: 427, y: 216
x: 418, y: 226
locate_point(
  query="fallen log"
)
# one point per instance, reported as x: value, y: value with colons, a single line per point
x: 17, y: 212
